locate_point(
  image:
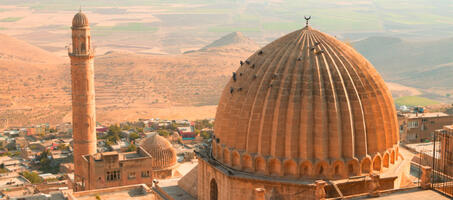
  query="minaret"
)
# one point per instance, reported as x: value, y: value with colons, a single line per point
x: 83, y: 106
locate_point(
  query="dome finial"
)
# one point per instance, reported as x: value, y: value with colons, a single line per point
x: 306, y: 20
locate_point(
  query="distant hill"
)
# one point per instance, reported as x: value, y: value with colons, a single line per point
x: 128, y: 85
x: 234, y: 38
x: 13, y: 49
x: 420, y: 64
x: 32, y: 89
x: 233, y: 42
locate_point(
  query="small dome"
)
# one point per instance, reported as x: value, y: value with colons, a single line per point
x: 162, y: 152
x: 80, y: 20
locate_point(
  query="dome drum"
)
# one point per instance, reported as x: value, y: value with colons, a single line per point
x: 299, y: 168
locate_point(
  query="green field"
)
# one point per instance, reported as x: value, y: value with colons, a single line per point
x: 415, y: 101
x: 10, y: 19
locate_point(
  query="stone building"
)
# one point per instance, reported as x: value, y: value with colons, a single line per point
x: 419, y: 127
x: 83, y: 105
x: 305, y: 107
x: 155, y: 158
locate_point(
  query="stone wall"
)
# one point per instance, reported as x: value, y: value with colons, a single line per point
x: 236, y: 186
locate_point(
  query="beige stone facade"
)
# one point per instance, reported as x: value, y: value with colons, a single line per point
x: 83, y: 96
x: 155, y: 158
x: 217, y: 182
x: 112, y: 169
x: 415, y: 128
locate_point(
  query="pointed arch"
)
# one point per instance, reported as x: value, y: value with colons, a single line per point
x: 290, y: 168
x: 338, y: 169
x: 353, y: 167
x: 274, y: 167
x: 306, y: 169
x: 247, y: 163
x: 386, y: 160
x: 392, y: 157
x: 377, y: 162
x: 260, y: 165
x: 366, y: 165
x: 236, y: 160
x: 226, y: 157
x: 321, y: 169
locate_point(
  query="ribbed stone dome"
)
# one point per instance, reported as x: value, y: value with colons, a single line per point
x: 162, y: 152
x: 80, y: 20
x: 306, y: 104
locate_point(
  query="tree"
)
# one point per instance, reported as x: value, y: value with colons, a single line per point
x: 205, y: 135
x: 45, y: 163
x: 126, y: 126
x: 164, y: 133
x: 33, y: 177
x: 113, y: 134
x: 173, y: 126
x: 139, y: 130
x: 133, y: 136
x: 62, y: 147
x: 131, y: 148
x: 114, y: 129
x: 197, y: 132
x: 2, y: 168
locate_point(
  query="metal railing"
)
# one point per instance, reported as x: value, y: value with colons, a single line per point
x: 442, y: 163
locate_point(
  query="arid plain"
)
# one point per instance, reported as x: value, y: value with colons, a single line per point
x: 162, y: 59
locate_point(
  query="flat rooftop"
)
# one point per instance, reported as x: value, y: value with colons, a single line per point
x: 414, y: 194
x: 12, y: 182
x: 425, y: 115
x: 135, y: 192
x: 170, y: 186
x: 425, y: 148
x: 127, y: 156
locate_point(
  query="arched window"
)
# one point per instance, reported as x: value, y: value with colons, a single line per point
x: 83, y: 48
x: 350, y: 169
x: 213, y: 191
x: 337, y: 170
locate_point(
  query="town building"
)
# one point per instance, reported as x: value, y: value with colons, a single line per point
x: 186, y: 132
x: 154, y: 158
x: 419, y: 127
x: 64, y: 128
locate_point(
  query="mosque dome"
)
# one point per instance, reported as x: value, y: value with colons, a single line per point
x: 80, y: 20
x: 160, y: 149
x: 306, y: 105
